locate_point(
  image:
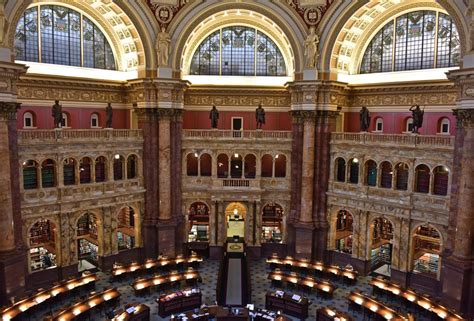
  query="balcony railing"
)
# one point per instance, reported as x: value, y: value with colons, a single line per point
x: 407, y: 140
x: 77, y: 135
x: 199, y: 134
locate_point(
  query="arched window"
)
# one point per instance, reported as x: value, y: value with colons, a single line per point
x: 199, y: 222
x: 250, y: 166
x: 59, y: 29
x: 119, y: 163
x: 69, y: 171
x: 42, y: 245
x: 238, y: 51
x: 422, y: 179
x: 444, y: 126
x: 371, y: 173
x: 100, y: 169
x: 65, y: 121
x: 280, y: 165
x: 272, y: 218
x: 421, y: 40
x: 30, y: 174
x: 28, y: 120
x: 236, y: 166
x: 132, y: 166
x: 126, y: 228
x: 267, y: 165
x: 386, y: 175
x: 379, y: 125
x: 354, y: 171
x: 192, y: 164
x: 205, y: 163
x: 441, y: 176
x: 48, y: 173
x: 426, y: 250
x: 402, y: 176
x: 340, y: 170
x: 85, y: 170
x: 95, y: 120
x: 344, y: 231
x: 222, y: 166
x: 409, y: 125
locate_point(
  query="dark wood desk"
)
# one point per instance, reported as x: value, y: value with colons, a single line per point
x: 416, y: 299
x: 141, y: 285
x: 152, y: 264
x: 44, y: 297
x: 135, y: 312
x: 179, y: 301
x: 324, y: 288
x: 331, y: 314
x: 285, y: 303
x: 221, y: 313
x: 93, y: 302
x: 357, y: 299
x: 331, y: 270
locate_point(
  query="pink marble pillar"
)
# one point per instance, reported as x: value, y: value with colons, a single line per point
x: 307, y: 171
x: 164, y: 161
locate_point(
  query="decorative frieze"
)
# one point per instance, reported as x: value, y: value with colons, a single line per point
x: 464, y: 117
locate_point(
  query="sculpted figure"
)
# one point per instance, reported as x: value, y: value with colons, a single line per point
x: 108, y: 115
x: 311, y: 48
x: 260, y: 116
x: 364, y: 119
x: 214, y: 116
x: 417, y: 115
x: 57, y: 113
x: 163, y: 48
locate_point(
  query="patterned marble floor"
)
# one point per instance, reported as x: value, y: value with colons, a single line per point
x: 208, y: 271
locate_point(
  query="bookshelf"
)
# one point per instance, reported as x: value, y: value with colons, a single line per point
x: 271, y: 223
x: 87, y: 250
x: 41, y: 233
x: 87, y: 225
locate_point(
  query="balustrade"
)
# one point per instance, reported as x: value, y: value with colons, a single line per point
x: 78, y: 135
x: 195, y: 134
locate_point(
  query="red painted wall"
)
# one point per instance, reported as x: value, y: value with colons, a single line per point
x: 395, y: 123
x: 79, y: 118
x: 200, y: 120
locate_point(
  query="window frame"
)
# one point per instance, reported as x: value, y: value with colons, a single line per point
x: 31, y: 116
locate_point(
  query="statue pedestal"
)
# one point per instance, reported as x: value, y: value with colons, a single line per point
x: 164, y: 72
x: 310, y: 74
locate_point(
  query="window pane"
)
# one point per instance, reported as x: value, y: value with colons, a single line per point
x: 448, y: 42
x: 414, y: 40
x: 99, y: 49
x: 88, y: 29
x: 26, y: 36
x: 61, y: 35
x: 400, y: 43
x: 47, y: 49
x: 74, y: 38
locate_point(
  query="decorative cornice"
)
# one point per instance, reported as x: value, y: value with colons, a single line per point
x: 8, y: 110
x: 158, y: 114
x: 321, y: 116
x: 464, y: 117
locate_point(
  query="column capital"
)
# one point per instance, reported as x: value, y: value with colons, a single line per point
x: 8, y: 110
x: 464, y: 117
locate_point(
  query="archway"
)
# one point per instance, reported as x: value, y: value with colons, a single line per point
x: 235, y: 214
x: 344, y: 231
x: 87, y: 241
x: 42, y: 241
x: 381, y: 234
x: 426, y: 249
x: 272, y: 223
x: 126, y: 228
x: 198, y: 214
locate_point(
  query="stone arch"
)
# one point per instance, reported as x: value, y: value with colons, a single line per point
x: 353, y: 13
x: 137, y: 223
x: 183, y: 28
x: 57, y: 236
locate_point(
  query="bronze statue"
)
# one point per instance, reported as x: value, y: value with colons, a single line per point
x: 57, y: 113
x: 214, y: 116
x: 417, y: 115
x: 108, y: 116
x: 260, y: 116
x: 364, y: 119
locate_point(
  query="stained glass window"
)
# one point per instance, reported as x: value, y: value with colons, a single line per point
x: 238, y: 51
x: 54, y: 37
x: 415, y: 40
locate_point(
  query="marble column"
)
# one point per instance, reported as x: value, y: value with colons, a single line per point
x: 307, y: 172
x: 457, y: 273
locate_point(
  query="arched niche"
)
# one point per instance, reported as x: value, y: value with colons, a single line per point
x: 272, y: 223
x: 198, y: 219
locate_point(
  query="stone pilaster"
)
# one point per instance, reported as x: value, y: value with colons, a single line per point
x: 458, y: 258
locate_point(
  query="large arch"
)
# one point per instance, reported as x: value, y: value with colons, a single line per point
x: 195, y: 22
x: 125, y: 27
x: 354, y: 22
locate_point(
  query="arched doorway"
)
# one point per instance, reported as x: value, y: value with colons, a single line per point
x: 426, y: 250
x: 272, y: 228
x: 344, y: 231
x: 235, y: 214
x: 42, y: 240
x: 87, y: 241
x: 198, y: 222
x: 381, y: 234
